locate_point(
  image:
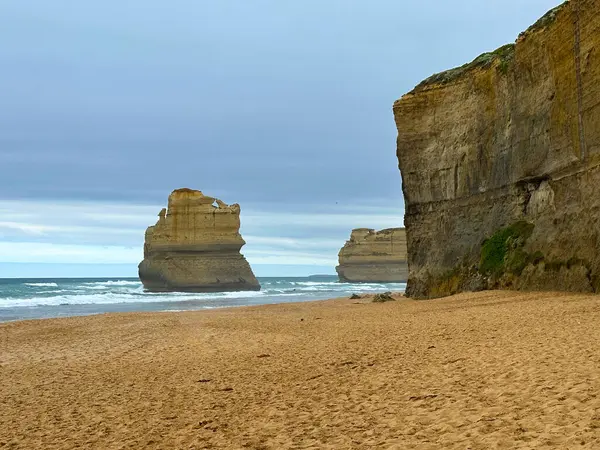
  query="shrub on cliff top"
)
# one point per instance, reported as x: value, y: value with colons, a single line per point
x: 546, y: 20
x: 504, y: 55
x: 503, y: 251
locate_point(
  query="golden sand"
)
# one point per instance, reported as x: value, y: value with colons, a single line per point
x: 479, y: 371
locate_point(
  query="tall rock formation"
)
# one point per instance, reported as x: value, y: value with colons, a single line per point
x: 195, y: 247
x: 500, y: 163
x: 374, y: 256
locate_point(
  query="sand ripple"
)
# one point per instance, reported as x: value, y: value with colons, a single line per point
x: 479, y: 371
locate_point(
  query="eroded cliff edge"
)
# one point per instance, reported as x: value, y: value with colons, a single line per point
x: 374, y: 256
x: 500, y: 163
x: 195, y: 247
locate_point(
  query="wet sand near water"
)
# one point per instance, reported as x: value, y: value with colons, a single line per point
x: 480, y: 371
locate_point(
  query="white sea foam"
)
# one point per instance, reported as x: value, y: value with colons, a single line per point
x: 114, y: 283
x: 105, y: 298
x: 119, y: 292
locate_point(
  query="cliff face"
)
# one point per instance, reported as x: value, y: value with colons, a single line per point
x: 371, y: 256
x: 500, y: 163
x: 195, y: 246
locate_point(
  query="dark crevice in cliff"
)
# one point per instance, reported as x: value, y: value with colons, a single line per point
x: 527, y: 187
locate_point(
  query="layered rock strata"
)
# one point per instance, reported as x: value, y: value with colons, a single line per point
x: 195, y: 247
x: 500, y: 163
x: 371, y: 256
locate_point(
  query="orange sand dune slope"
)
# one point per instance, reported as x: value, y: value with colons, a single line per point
x: 479, y: 371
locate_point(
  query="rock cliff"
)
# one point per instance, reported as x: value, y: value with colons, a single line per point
x: 195, y: 246
x: 500, y: 163
x: 371, y: 256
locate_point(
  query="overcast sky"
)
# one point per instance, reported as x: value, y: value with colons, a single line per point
x: 282, y: 106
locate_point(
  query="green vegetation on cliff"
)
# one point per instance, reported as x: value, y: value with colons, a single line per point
x: 547, y: 19
x: 503, y: 257
x: 503, y: 252
x: 504, y: 55
x: 502, y: 260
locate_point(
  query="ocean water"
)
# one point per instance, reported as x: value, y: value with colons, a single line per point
x: 43, y: 298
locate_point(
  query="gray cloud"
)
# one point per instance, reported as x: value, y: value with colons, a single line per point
x: 264, y: 99
x: 280, y: 106
x: 43, y: 232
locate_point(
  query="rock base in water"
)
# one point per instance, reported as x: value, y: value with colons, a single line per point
x: 195, y: 247
x: 370, y: 256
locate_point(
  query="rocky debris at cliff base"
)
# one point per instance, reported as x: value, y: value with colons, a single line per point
x: 195, y: 247
x: 383, y: 297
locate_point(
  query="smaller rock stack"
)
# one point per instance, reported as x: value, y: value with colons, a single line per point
x: 374, y: 256
x: 195, y: 247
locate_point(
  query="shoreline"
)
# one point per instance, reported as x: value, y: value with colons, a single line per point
x: 491, y: 369
x: 76, y: 297
x: 365, y: 297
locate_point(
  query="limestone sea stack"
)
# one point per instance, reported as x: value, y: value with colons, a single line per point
x: 500, y: 163
x: 195, y: 247
x: 374, y: 256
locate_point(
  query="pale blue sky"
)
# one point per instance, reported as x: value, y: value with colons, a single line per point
x: 283, y: 107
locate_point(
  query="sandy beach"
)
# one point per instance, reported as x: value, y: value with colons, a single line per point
x: 474, y: 371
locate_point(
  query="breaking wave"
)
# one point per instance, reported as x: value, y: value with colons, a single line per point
x: 32, y: 299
